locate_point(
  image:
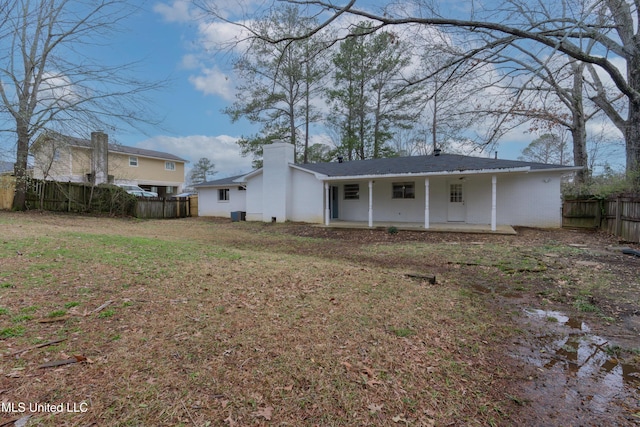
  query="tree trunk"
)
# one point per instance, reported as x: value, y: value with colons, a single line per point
x: 20, y: 170
x: 632, y: 138
x: 579, y: 125
x: 307, y: 106
x: 632, y: 129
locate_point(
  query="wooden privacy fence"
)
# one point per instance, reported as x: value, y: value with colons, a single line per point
x: 82, y: 197
x: 7, y: 188
x: 619, y: 215
x: 158, y: 207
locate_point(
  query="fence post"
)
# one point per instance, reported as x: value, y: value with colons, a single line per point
x: 618, y: 216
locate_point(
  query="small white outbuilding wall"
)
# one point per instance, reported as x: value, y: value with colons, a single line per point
x: 210, y: 203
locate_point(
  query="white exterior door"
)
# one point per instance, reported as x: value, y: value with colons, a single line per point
x: 456, y: 209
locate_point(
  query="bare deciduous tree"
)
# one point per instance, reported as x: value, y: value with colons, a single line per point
x: 595, y: 33
x: 50, y: 80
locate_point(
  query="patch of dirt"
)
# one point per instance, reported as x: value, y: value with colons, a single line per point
x: 196, y: 346
x: 589, y: 376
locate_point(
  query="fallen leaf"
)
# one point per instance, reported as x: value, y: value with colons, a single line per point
x: 265, y: 412
x: 22, y: 422
x: 399, y: 418
x: 230, y: 421
x: 373, y: 408
x: 369, y: 371
x: 287, y: 388
x: 346, y: 365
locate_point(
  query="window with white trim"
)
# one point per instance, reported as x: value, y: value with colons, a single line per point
x: 223, y: 195
x: 404, y: 190
x: 352, y: 191
x: 133, y: 161
x: 170, y: 166
x: 455, y: 193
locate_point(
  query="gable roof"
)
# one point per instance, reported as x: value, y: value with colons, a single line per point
x: 231, y: 180
x: 424, y: 165
x: 411, y: 165
x: 117, y: 148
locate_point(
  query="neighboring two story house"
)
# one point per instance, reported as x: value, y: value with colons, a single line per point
x: 63, y: 158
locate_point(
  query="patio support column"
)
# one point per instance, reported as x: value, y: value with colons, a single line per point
x: 370, y: 203
x: 327, y: 212
x: 426, y: 203
x: 494, y: 179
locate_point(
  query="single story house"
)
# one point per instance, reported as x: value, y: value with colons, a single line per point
x: 439, y: 188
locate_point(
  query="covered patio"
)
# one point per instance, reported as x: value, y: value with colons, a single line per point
x: 434, y: 227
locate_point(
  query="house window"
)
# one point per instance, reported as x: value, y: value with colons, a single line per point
x: 170, y: 166
x: 351, y: 191
x: 404, y: 190
x: 133, y: 161
x: 223, y: 194
x: 169, y: 189
x: 455, y: 193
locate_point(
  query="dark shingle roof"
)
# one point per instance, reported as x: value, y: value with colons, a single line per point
x: 220, y: 182
x: 405, y: 165
x: 420, y: 164
x: 117, y: 148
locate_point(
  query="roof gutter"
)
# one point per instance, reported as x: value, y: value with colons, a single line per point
x: 428, y: 174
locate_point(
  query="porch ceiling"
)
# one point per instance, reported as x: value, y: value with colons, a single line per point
x: 449, y: 227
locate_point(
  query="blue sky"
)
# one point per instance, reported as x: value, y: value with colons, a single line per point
x: 175, y: 43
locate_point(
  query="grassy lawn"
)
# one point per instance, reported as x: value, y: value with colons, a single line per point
x: 206, y: 323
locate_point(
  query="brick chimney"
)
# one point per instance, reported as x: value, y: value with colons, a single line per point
x: 276, y: 179
x: 100, y: 157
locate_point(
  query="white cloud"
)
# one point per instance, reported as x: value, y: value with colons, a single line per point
x: 178, y: 11
x: 222, y: 150
x: 218, y: 35
x: 190, y: 62
x: 212, y: 81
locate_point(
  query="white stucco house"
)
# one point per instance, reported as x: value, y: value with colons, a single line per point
x: 427, y: 190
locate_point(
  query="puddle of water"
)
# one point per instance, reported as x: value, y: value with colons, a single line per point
x: 552, y: 316
x: 583, y: 354
x: 578, y: 377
